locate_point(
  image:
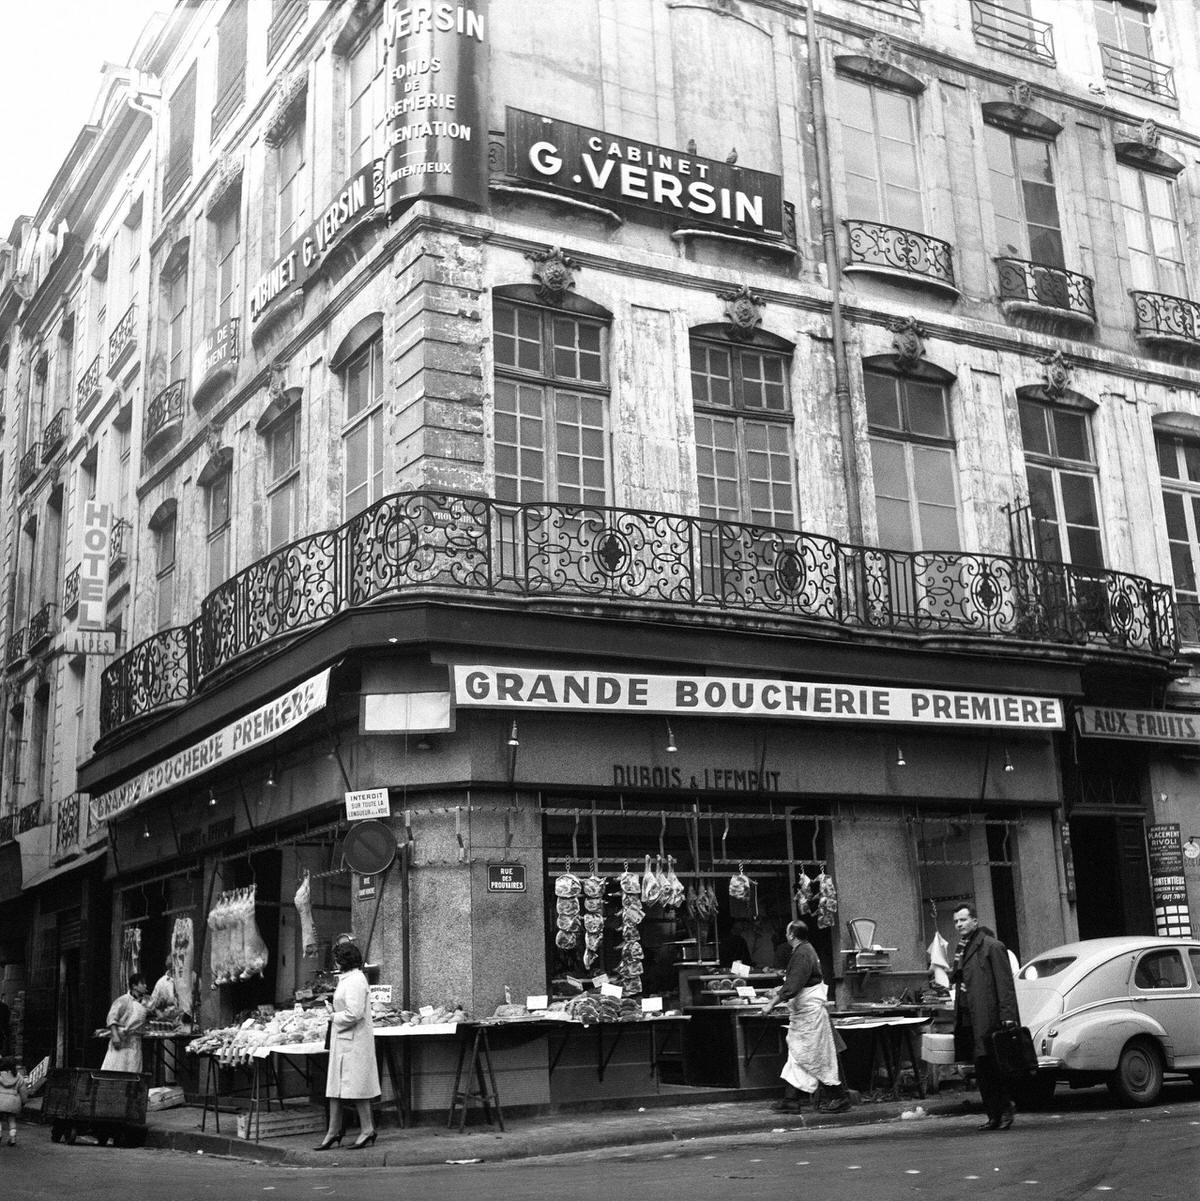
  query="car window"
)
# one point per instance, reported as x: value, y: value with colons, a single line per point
x: 1039, y: 969
x: 1194, y: 956
x: 1160, y: 969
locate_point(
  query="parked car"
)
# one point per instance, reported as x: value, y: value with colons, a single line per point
x: 1119, y: 1011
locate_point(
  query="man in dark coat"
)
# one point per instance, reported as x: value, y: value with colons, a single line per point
x: 986, y: 1000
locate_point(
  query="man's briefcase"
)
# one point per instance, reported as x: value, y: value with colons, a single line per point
x: 1012, y: 1049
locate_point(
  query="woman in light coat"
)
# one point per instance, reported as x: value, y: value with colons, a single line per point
x: 353, y: 1073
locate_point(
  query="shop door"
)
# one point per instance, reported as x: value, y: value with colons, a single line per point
x: 1112, y: 875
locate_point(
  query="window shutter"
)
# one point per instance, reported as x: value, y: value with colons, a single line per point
x: 182, y: 127
x: 231, y: 48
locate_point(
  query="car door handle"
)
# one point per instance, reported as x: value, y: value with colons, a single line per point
x: 1140, y: 1000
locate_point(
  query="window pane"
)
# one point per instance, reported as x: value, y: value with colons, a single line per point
x: 1034, y: 436
x: 1070, y: 436
x: 1079, y: 498
x: 712, y: 381
x: 1176, y: 519
x: 282, y: 509
x: 1191, y: 461
x: 926, y: 409
x: 883, y: 403
x: 1168, y: 462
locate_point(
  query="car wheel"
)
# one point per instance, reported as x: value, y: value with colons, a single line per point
x: 1036, y: 1092
x: 69, y: 1136
x: 1139, y: 1075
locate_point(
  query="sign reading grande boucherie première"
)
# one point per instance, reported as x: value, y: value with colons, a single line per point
x: 436, y: 130
x: 358, y: 198
x: 633, y: 174
x: 594, y: 691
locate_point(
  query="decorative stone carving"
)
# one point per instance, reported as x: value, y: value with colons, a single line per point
x: 227, y: 183
x: 1148, y: 135
x: 276, y: 379
x: 1021, y: 93
x: 1056, y: 372
x: 554, y: 272
x: 743, y: 311
x: 212, y: 437
x: 908, y: 341
x: 287, y: 107
x: 880, y: 51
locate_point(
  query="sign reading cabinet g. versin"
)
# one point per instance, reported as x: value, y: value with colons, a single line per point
x: 605, y: 167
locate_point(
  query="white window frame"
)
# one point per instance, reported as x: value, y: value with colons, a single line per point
x: 366, y: 422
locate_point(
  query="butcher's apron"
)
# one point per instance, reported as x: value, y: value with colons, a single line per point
x: 128, y: 1058
x: 812, y: 1055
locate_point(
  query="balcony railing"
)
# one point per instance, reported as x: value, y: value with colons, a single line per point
x: 29, y: 817
x: 1002, y: 29
x: 14, y: 648
x: 119, y: 543
x: 1138, y: 75
x: 8, y: 828
x: 1188, y: 613
x: 122, y: 342
x: 284, y: 21
x: 88, y: 387
x: 1047, y: 287
x: 164, y: 411
x: 71, y: 590
x: 41, y: 626
x: 54, y: 434
x: 70, y: 823
x: 1159, y: 317
x: 27, y: 468
x: 440, y: 544
x: 872, y: 244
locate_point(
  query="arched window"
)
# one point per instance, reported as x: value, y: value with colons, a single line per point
x: 745, y: 451
x: 279, y: 427
x: 162, y: 525
x: 551, y: 408
x: 362, y: 431
x: 217, y: 481
x: 1177, y: 440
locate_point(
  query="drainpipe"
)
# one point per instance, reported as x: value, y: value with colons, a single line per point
x: 833, y: 273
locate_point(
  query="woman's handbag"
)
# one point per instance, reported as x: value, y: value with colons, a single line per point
x: 1012, y: 1049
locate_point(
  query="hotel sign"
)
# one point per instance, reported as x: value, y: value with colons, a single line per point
x: 605, y: 167
x: 93, y: 567
x: 255, y: 728
x: 358, y: 198
x: 1139, y: 725
x: 436, y: 129
x: 712, y: 696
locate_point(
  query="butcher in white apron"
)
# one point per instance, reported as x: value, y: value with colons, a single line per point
x: 126, y: 1020
x: 812, y: 1065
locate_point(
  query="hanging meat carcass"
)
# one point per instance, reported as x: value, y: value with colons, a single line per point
x: 308, y: 927
x: 183, y: 943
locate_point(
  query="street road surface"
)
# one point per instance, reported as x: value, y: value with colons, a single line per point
x: 1108, y: 1156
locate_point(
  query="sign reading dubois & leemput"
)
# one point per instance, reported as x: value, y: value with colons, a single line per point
x: 636, y: 175
x: 436, y: 131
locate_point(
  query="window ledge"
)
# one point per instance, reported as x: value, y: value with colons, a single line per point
x: 1050, y: 311
x: 908, y: 278
x: 276, y: 313
x: 688, y: 235
x: 569, y: 201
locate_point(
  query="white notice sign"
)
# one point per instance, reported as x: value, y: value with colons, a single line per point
x: 370, y: 802
x: 381, y: 994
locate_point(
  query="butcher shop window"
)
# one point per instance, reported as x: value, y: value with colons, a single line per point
x: 779, y: 855
x: 551, y: 406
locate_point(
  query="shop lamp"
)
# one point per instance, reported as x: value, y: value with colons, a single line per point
x: 145, y: 828
x: 512, y: 735
x: 1008, y: 763
x: 900, y: 759
x: 671, y: 747
x: 271, y: 781
x: 212, y: 798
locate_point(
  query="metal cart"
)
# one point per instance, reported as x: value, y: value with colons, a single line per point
x: 109, y: 1106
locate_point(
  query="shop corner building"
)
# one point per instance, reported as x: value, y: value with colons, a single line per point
x: 766, y: 438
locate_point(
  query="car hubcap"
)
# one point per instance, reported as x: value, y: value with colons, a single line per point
x: 1138, y: 1072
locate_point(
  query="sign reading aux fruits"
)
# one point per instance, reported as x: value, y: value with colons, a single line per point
x: 623, y: 171
x: 436, y: 130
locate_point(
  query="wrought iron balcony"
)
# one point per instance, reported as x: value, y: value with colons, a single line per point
x: 29, y: 817
x: 1138, y: 75
x: 873, y: 245
x: 282, y: 23
x: 88, y: 387
x: 1162, y: 318
x: 14, y: 648
x: 8, y: 828
x: 120, y: 543
x: 54, y: 434
x: 122, y: 342
x: 164, y: 412
x: 41, y: 626
x: 27, y: 468
x: 419, y: 544
x: 1002, y: 29
x: 68, y: 828
x: 71, y: 590
x: 1044, y: 287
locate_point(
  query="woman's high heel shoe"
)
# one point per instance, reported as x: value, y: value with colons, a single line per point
x: 365, y: 1141
x: 330, y: 1140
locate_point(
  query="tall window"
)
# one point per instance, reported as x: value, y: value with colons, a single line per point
x: 226, y: 231
x: 133, y: 260
x: 164, y: 572
x: 362, y: 435
x: 1179, y: 469
x: 879, y: 148
x: 1021, y: 172
x: 1126, y: 26
x: 122, y: 444
x: 912, y: 457
x: 289, y: 199
x: 217, y: 513
x: 177, y: 295
x: 283, y: 477
x: 182, y: 124
x: 365, y: 101
x: 1152, y: 231
x: 551, y: 438
x: 745, y: 461
x: 1060, y: 469
x: 231, y: 64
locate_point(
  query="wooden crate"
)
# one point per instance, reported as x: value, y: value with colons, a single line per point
x: 291, y: 1120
